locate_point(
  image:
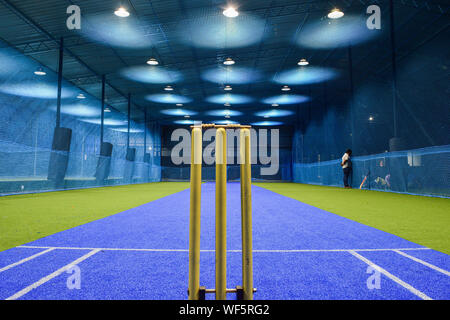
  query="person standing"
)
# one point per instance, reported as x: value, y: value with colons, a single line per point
x: 346, y: 165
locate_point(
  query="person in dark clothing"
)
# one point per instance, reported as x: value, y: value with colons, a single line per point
x: 346, y: 165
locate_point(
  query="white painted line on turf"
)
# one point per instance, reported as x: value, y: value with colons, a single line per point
x: 429, y: 265
x: 328, y: 250
x: 407, y: 286
x: 22, y: 292
x: 212, y: 250
x: 12, y: 265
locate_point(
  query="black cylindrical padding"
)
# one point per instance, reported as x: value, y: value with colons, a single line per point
x: 106, y: 149
x: 104, y: 161
x: 61, y: 139
x: 396, y: 144
x: 59, y: 157
x: 131, y: 154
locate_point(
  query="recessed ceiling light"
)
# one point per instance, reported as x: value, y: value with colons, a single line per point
x: 122, y: 12
x: 107, y: 110
x: 81, y: 96
x: 370, y: 118
x: 187, y: 116
x: 335, y: 14
x: 275, y: 105
x: 179, y: 104
x: 303, y: 62
x: 266, y: 116
x: 227, y: 104
x: 152, y: 62
x: 229, y: 62
x: 227, y: 116
x: 40, y: 72
x: 168, y: 88
x: 230, y: 12
x: 285, y: 88
x: 227, y: 88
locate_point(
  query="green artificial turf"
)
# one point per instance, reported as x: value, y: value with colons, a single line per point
x: 423, y: 220
x: 24, y: 218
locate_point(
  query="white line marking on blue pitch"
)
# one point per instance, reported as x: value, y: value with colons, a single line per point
x: 407, y: 286
x: 96, y: 250
x: 255, y: 250
x: 22, y: 292
x: 429, y: 265
x: 12, y: 265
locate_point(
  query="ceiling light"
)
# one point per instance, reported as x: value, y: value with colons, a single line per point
x: 370, y: 118
x: 229, y: 62
x: 107, y: 110
x: 266, y: 116
x: 152, y: 62
x: 227, y: 116
x: 335, y: 14
x: 81, y: 96
x: 230, y: 12
x: 179, y: 104
x: 227, y: 88
x: 122, y: 12
x: 227, y: 104
x: 187, y: 116
x: 168, y: 88
x: 40, y: 72
x: 303, y: 62
x: 275, y: 105
x: 285, y: 88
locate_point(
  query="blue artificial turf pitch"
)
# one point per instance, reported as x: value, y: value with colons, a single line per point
x: 300, y: 252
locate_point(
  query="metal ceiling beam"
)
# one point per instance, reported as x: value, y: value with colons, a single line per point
x: 41, y: 30
x: 291, y: 48
x: 433, y: 36
x: 194, y: 53
x: 113, y: 50
x: 427, y: 5
x: 261, y: 42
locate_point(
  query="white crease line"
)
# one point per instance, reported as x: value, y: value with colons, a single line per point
x: 51, y: 276
x: 407, y: 286
x: 429, y: 265
x: 12, y: 265
x: 331, y: 250
x: 212, y: 250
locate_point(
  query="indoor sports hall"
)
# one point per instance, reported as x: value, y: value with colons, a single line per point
x: 213, y: 149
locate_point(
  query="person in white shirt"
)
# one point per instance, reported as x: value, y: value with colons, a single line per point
x: 346, y: 165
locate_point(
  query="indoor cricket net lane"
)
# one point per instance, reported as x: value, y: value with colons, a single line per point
x: 300, y: 252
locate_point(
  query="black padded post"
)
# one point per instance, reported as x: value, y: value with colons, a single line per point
x: 59, y: 157
x: 129, y: 165
x: 131, y: 154
x: 396, y: 144
x: 104, y: 161
x: 106, y: 149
